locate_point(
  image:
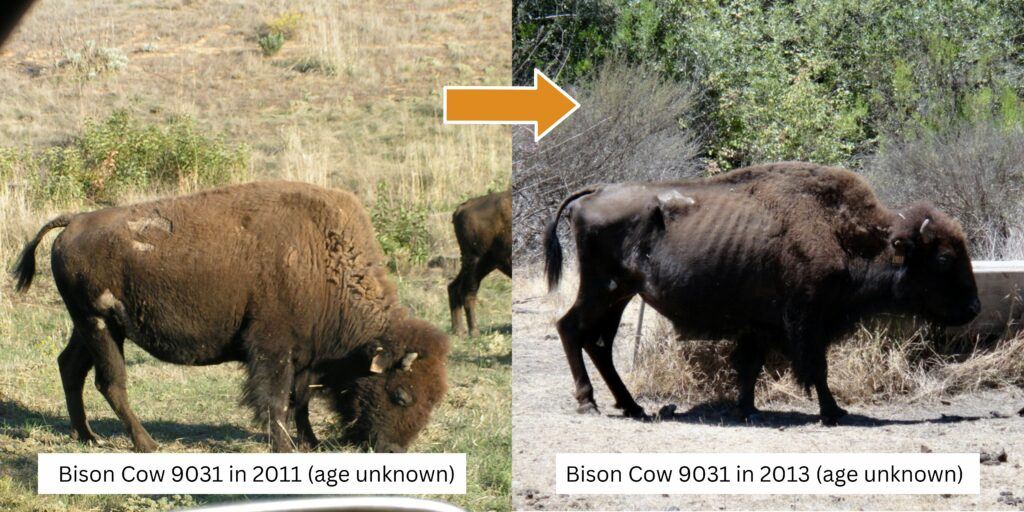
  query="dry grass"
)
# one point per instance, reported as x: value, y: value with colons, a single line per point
x: 874, y: 365
x: 375, y: 118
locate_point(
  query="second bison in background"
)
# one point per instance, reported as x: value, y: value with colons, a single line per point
x: 286, y: 278
x: 787, y: 256
x: 483, y: 227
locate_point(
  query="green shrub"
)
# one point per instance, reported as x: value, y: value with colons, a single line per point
x: 401, y: 229
x: 92, y: 60
x: 820, y: 80
x: 122, y: 153
x: 271, y: 43
x: 272, y: 34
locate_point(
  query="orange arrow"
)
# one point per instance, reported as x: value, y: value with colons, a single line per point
x: 544, y: 105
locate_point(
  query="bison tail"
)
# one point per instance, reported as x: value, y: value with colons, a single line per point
x: 552, y: 247
x: 552, y: 254
x: 25, y: 269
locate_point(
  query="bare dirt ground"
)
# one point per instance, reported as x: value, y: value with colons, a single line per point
x: 545, y: 422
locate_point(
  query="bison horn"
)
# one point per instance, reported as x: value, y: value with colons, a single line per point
x: 377, y: 364
x: 924, y: 225
x: 408, y: 360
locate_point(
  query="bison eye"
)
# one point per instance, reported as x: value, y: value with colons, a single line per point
x: 401, y: 397
x: 944, y: 261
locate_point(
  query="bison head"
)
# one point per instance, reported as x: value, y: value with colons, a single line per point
x: 936, y: 280
x: 401, y: 380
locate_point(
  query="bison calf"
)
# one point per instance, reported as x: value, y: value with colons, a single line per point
x: 286, y: 278
x: 483, y: 227
x: 787, y: 256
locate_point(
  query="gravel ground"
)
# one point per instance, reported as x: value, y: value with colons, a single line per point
x: 545, y: 423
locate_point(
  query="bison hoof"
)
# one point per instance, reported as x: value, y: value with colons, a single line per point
x: 637, y: 414
x: 146, y: 447
x: 667, y: 412
x: 746, y: 414
x: 831, y: 418
x: 91, y: 439
x: 587, y: 408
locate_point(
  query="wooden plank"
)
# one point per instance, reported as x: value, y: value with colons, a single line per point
x: 1001, y: 291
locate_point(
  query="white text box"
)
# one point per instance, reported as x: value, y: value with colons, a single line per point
x: 767, y: 473
x: 252, y: 473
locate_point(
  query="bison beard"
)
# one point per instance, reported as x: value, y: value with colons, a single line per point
x: 483, y: 227
x: 786, y: 256
x: 286, y: 278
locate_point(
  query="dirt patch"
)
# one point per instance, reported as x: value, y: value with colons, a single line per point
x: 545, y: 422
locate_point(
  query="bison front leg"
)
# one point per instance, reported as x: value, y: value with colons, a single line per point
x: 75, y: 361
x: 267, y: 391
x: 301, y: 395
x: 112, y: 379
x: 808, y: 348
x: 748, y: 360
x: 830, y: 410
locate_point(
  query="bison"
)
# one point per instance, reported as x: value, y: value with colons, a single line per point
x: 483, y: 227
x: 286, y: 278
x: 785, y: 256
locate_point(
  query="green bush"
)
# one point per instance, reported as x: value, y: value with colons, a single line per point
x: 91, y: 60
x: 122, y: 153
x: 820, y: 80
x: 401, y: 229
x: 271, y: 43
x: 272, y: 34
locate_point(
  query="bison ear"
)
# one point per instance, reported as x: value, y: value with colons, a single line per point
x: 900, y: 247
x: 408, y: 360
x: 377, y: 364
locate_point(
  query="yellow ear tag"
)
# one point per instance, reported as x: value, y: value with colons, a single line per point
x: 377, y: 365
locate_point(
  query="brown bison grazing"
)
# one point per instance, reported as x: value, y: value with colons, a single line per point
x: 483, y: 227
x: 286, y: 278
x: 787, y: 256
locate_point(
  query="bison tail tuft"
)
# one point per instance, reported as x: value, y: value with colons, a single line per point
x: 552, y: 247
x: 552, y: 254
x: 25, y: 269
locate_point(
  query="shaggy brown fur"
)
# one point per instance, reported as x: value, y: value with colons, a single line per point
x: 483, y: 227
x: 786, y: 256
x: 285, y: 277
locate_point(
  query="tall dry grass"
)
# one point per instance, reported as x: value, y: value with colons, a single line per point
x: 875, y: 364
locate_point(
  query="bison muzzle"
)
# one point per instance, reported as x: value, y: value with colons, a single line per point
x: 286, y: 278
x: 787, y: 256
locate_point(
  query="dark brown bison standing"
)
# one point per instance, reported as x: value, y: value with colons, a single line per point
x: 787, y: 256
x: 483, y: 227
x: 284, y: 277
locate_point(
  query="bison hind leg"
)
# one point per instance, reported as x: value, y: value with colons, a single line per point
x: 455, y: 302
x: 74, y: 362
x: 112, y: 377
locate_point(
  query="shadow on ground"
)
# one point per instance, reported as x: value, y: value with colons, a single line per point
x: 15, y: 419
x: 720, y: 413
